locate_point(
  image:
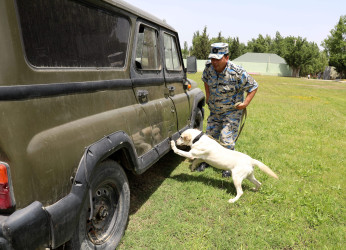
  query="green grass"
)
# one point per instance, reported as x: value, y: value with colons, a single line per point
x: 295, y: 126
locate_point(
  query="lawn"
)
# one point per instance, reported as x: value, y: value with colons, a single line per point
x: 295, y: 126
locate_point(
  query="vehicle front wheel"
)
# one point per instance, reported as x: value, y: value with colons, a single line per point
x: 102, y: 225
x: 198, y: 123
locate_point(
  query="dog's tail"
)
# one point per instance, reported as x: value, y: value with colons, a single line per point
x: 264, y: 168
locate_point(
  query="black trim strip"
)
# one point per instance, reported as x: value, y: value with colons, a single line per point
x: 174, y: 79
x: 148, y: 81
x: 24, y: 92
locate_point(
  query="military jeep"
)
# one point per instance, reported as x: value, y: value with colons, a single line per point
x: 88, y: 89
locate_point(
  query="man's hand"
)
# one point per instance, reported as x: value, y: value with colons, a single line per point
x: 241, y: 106
x: 247, y: 101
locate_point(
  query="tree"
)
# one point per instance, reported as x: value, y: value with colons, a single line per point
x: 261, y: 44
x: 335, y: 46
x: 185, y: 51
x: 218, y: 39
x: 236, y: 48
x: 299, y: 53
x: 317, y: 65
x: 277, y: 44
x: 201, y: 44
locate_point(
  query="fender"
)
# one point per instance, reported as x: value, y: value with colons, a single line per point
x: 51, y: 226
x: 64, y: 214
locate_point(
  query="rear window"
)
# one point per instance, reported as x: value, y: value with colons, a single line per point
x: 65, y: 33
x: 171, y: 53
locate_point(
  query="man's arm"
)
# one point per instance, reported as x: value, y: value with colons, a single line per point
x: 206, y: 92
x: 248, y: 99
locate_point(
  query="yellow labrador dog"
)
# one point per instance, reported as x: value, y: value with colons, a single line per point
x: 205, y: 149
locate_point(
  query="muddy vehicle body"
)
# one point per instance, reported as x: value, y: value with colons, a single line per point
x: 88, y: 88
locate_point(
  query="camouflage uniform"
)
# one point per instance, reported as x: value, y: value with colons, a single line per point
x: 226, y: 89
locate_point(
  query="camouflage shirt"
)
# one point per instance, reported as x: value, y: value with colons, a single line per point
x: 228, y: 87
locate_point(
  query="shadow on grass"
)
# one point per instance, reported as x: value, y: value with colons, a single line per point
x: 144, y: 185
x: 225, y: 183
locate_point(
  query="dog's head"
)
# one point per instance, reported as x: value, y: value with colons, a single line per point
x: 187, y: 137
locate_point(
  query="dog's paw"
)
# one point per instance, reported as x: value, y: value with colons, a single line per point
x: 172, y: 144
x: 232, y: 200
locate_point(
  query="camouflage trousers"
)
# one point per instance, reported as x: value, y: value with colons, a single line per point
x: 224, y: 127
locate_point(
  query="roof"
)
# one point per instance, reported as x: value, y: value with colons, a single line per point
x: 139, y: 12
x: 260, y: 58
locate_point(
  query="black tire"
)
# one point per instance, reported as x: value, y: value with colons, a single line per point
x: 198, y: 123
x: 111, y: 202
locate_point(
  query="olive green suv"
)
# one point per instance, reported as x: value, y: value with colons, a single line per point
x: 88, y: 89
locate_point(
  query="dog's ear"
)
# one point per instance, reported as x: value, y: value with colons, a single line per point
x: 187, y: 138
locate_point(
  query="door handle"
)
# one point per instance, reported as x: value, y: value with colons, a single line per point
x: 142, y: 95
x: 171, y: 90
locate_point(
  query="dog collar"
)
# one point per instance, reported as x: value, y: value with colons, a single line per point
x: 197, y: 138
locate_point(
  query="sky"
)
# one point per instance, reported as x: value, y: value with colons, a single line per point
x: 246, y: 19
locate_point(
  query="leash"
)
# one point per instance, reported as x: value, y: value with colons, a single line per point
x: 242, y: 120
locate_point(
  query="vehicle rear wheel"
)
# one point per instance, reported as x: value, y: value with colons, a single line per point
x: 198, y: 123
x: 102, y: 225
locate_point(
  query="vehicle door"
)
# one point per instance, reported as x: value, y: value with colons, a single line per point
x: 150, y: 89
x: 174, y: 78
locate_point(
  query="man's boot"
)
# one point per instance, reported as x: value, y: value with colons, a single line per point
x: 202, y: 167
x: 226, y: 173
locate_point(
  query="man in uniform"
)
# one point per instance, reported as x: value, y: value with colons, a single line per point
x: 225, y: 84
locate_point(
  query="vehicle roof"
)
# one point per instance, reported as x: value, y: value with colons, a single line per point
x: 138, y: 12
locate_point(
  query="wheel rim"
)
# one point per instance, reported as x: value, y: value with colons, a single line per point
x: 104, y: 214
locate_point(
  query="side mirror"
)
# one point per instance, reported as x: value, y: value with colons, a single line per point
x: 191, y: 62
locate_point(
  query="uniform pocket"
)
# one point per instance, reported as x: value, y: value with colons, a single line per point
x: 228, y: 90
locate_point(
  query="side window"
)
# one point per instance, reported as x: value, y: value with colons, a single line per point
x: 147, y: 51
x: 171, y: 53
x: 65, y: 33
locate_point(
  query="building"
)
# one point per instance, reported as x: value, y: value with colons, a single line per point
x: 264, y: 64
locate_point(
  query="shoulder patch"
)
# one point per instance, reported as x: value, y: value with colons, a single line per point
x: 236, y: 68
